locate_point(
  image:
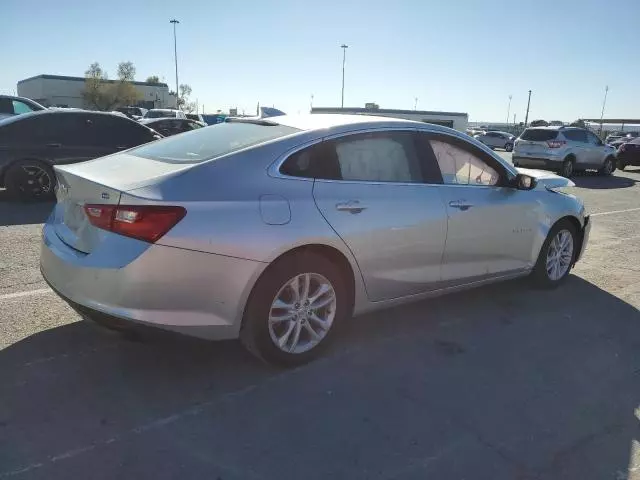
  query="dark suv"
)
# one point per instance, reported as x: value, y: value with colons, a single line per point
x: 32, y: 143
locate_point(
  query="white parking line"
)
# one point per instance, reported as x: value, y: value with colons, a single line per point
x: 28, y: 293
x: 615, y: 211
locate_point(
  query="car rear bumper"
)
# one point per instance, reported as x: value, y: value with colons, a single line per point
x: 194, y: 293
x: 629, y: 158
x: 536, y: 162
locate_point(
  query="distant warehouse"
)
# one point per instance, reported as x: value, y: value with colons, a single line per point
x: 62, y: 91
x: 455, y: 120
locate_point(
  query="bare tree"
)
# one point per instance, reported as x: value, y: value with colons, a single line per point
x: 100, y: 94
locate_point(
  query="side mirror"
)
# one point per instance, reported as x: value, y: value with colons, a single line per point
x: 524, y: 182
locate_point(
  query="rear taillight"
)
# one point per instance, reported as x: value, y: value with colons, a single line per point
x: 555, y: 143
x: 622, y: 148
x: 144, y: 222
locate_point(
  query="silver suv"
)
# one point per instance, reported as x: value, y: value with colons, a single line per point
x: 563, y: 149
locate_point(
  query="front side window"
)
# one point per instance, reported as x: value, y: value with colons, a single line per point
x: 461, y: 167
x: 378, y: 157
x: 593, y: 139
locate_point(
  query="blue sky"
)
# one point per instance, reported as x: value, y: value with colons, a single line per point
x: 466, y: 56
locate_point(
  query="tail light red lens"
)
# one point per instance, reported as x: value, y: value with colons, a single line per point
x: 622, y: 148
x: 143, y: 222
x: 555, y: 143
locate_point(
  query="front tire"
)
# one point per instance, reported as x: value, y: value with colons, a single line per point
x: 621, y: 165
x: 557, y: 256
x: 295, y: 309
x: 508, y: 147
x: 30, y: 180
x: 608, y: 167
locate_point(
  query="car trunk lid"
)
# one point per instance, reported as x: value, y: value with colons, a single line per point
x: 100, y: 181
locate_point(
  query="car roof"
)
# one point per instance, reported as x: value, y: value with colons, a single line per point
x: 321, y: 121
x: 58, y: 111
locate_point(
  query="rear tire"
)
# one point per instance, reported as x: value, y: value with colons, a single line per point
x: 568, y: 167
x: 290, y: 342
x: 30, y: 180
x: 508, y: 147
x: 543, y: 274
x: 608, y: 167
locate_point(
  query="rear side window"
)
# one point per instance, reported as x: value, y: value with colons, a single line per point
x: 215, y: 141
x: 575, y: 135
x: 539, y: 134
x: 113, y: 131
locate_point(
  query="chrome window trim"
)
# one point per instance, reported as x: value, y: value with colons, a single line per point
x: 274, y: 169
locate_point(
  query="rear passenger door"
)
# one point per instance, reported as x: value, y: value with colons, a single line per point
x: 579, y: 147
x: 372, y: 189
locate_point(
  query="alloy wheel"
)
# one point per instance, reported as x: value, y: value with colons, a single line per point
x: 302, y: 313
x: 34, y: 180
x: 559, y: 255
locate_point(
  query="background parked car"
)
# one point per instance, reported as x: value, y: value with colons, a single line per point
x: 497, y: 139
x: 32, y: 143
x: 623, y: 139
x: 564, y: 149
x: 629, y: 154
x: 195, y: 116
x: 613, y: 136
x: 10, y: 106
x: 164, y: 113
x: 539, y: 123
x: 135, y: 113
x: 172, y: 126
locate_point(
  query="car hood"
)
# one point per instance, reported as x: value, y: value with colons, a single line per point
x: 546, y: 179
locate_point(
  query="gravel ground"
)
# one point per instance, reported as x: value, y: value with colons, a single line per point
x: 503, y: 382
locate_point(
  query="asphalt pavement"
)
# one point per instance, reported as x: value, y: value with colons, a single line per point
x: 503, y: 382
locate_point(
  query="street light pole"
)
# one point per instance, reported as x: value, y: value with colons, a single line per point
x: 526, y: 117
x: 604, y: 102
x: 509, y: 109
x: 344, y: 58
x: 175, y: 53
x: 415, y: 104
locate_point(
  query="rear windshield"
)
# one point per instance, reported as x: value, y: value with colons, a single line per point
x: 211, y: 142
x: 160, y: 114
x: 539, y: 134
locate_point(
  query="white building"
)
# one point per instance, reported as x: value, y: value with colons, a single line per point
x: 455, y: 120
x: 62, y: 91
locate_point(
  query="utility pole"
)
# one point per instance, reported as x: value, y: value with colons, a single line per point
x: 526, y: 117
x: 175, y: 53
x: 509, y: 109
x: 415, y: 104
x: 604, y: 102
x: 311, y: 104
x: 344, y: 58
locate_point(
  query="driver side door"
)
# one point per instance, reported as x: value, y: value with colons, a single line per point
x: 490, y: 226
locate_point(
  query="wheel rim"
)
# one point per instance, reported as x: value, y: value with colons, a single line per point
x: 509, y: 147
x: 608, y: 167
x: 302, y: 313
x: 34, y: 180
x: 568, y: 169
x: 559, y: 255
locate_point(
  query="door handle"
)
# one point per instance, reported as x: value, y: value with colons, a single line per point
x: 352, y: 206
x: 461, y: 204
x: 54, y: 145
x: 121, y: 147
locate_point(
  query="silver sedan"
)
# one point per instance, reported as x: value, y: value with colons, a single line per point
x: 276, y: 231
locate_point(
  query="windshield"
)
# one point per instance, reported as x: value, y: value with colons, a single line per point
x: 214, y: 141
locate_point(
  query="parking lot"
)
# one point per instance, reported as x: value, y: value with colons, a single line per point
x: 502, y: 382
